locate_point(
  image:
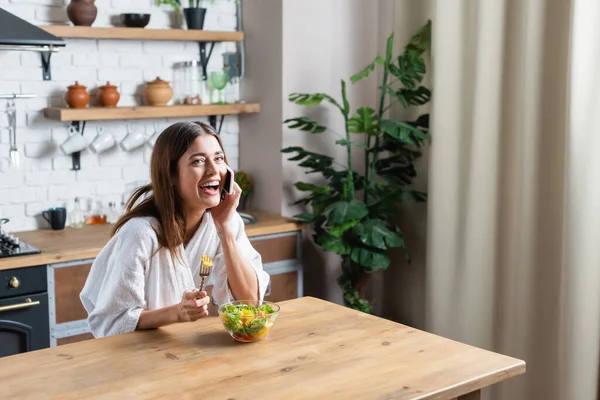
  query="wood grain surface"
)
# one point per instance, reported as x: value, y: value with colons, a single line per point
x: 143, y: 112
x: 191, y: 35
x: 316, y: 350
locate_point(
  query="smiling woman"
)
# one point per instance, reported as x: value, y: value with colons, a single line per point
x: 147, y: 274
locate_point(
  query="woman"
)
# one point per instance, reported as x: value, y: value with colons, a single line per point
x: 148, y: 273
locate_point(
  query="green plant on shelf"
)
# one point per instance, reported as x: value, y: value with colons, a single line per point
x: 176, y: 4
x: 244, y: 181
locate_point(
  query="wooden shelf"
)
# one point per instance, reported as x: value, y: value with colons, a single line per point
x: 88, y: 32
x: 147, y: 112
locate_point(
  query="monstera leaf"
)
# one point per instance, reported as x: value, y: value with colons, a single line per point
x: 342, y: 211
x: 364, y: 120
x: 374, y: 233
x: 305, y: 124
x: 404, y: 132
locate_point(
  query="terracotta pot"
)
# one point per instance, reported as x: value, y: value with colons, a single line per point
x: 158, y: 92
x: 77, y: 96
x: 108, y: 96
x: 82, y: 12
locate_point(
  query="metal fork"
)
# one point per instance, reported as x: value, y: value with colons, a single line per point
x: 205, y: 268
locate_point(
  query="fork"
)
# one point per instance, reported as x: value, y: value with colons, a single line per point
x: 205, y: 267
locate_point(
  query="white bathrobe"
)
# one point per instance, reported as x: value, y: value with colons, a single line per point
x: 133, y: 273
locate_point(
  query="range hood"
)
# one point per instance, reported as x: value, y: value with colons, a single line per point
x: 17, y: 34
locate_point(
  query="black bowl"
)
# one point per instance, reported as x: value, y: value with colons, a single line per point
x: 133, y: 20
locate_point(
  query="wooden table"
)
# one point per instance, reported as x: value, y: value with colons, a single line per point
x: 316, y: 350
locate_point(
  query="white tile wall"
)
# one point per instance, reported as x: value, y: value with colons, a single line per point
x: 45, y: 179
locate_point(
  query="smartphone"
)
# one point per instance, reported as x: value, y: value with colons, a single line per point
x: 228, y: 184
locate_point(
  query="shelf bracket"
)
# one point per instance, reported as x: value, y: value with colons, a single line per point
x: 204, y: 58
x: 212, y: 120
x: 76, y: 157
x: 46, y: 73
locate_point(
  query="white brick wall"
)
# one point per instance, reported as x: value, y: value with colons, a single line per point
x: 45, y: 178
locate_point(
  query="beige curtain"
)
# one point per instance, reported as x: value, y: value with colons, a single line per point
x: 513, y: 231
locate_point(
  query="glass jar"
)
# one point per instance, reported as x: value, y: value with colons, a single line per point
x: 76, y: 217
x: 112, y: 216
x: 188, y: 83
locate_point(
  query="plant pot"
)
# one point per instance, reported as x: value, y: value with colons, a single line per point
x: 82, y: 12
x: 194, y: 17
x: 77, y: 96
x: 108, y: 96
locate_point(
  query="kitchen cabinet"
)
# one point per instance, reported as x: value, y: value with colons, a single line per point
x: 24, y: 322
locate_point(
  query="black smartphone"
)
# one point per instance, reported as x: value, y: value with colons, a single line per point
x: 228, y: 184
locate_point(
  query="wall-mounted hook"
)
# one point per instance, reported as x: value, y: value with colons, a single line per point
x: 212, y: 120
x: 76, y: 127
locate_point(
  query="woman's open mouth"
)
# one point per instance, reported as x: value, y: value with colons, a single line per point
x: 210, y: 188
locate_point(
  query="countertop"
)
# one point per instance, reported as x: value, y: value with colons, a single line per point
x: 72, y: 244
x: 315, y: 350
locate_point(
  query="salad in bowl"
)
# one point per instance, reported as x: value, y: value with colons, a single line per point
x: 248, y: 320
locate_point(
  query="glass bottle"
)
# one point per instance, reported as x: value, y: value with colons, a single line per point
x: 112, y: 216
x: 76, y: 218
x: 97, y: 215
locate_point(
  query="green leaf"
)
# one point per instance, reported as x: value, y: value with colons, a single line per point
x: 305, y: 217
x: 367, y: 70
x: 404, y: 132
x: 309, y: 187
x: 343, y: 211
x: 374, y: 233
x: 305, y: 124
x: 364, y: 120
x: 314, y: 162
x: 339, y: 230
x: 332, y: 243
x: 369, y: 259
x: 312, y: 100
x: 409, y: 97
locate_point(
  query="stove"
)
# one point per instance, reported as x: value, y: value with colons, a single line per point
x: 11, y: 246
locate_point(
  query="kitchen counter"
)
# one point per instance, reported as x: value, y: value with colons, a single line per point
x: 336, y: 353
x: 72, y: 244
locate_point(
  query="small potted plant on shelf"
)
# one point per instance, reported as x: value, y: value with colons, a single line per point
x: 246, y: 184
x: 194, y: 14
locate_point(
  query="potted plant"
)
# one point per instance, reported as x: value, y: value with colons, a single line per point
x: 352, y: 213
x: 194, y: 14
x: 246, y: 184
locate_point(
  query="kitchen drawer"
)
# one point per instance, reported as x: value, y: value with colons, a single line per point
x: 68, y: 283
x: 283, y: 287
x: 28, y: 280
x: 278, y: 248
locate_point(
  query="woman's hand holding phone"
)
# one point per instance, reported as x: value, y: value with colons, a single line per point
x: 223, y: 213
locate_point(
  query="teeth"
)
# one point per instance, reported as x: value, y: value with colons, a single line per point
x: 211, y: 183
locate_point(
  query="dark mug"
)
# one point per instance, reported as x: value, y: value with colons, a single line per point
x: 56, y: 217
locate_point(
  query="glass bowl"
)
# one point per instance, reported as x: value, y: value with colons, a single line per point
x: 248, y: 320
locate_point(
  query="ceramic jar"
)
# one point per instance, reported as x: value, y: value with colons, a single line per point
x: 108, y: 96
x: 82, y: 12
x: 158, y: 92
x: 77, y: 96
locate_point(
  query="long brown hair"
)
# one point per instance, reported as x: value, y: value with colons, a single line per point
x: 161, y: 198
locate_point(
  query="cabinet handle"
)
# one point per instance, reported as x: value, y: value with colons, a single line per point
x: 14, y: 282
x: 26, y: 304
